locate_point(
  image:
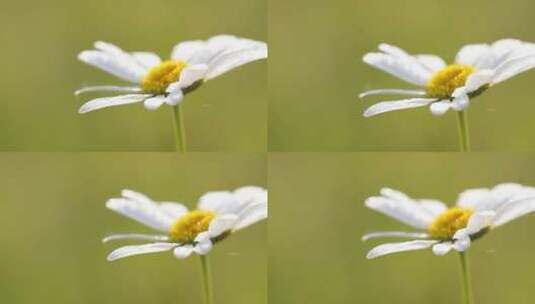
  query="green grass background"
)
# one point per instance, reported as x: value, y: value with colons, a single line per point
x: 53, y: 219
x: 317, y: 217
x: 316, y: 73
x: 40, y: 72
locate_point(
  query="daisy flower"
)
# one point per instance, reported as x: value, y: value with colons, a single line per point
x: 156, y: 82
x: 218, y: 215
x: 442, y: 87
x: 477, y: 212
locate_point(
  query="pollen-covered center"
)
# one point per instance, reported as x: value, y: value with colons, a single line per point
x: 161, y: 76
x: 187, y: 227
x: 447, y: 223
x: 444, y: 82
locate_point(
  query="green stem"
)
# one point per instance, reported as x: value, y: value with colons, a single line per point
x: 180, y: 132
x: 465, y: 274
x: 207, y: 280
x: 464, y: 135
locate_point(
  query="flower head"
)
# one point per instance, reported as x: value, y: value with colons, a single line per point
x: 157, y: 82
x: 477, y: 67
x: 218, y: 215
x: 477, y: 212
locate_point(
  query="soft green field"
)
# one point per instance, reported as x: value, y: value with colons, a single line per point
x: 317, y: 217
x: 40, y: 72
x: 53, y: 219
x: 316, y: 73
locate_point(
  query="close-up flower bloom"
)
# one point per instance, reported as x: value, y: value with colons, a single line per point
x: 219, y: 214
x: 442, y: 87
x: 477, y: 212
x: 158, y: 82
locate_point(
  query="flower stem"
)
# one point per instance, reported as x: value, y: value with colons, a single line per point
x: 207, y: 280
x: 465, y: 273
x: 180, y: 132
x: 464, y: 136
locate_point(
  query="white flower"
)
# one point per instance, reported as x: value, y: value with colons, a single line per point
x: 218, y: 215
x: 477, y: 212
x: 442, y: 87
x: 158, y: 82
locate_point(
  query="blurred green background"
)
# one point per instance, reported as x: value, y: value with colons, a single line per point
x: 40, y: 72
x: 316, y: 73
x: 53, y: 219
x: 317, y: 217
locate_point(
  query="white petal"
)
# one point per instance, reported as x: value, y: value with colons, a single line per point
x: 513, y: 67
x: 473, y: 53
x: 387, y: 106
x: 397, y: 234
x: 221, y: 224
x: 147, y: 59
x: 251, y: 215
x: 514, y: 210
x: 148, y: 215
x: 249, y: 195
x: 105, y: 102
x: 153, y: 103
x: 479, y: 221
x: 219, y: 202
x: 441, y: 249
x: 409, y: 71
x: 440, y: 108
x: 231, y: 60
x: 183, y: 252
x: 115, y: 61
x: 402, y: 208
x: 127, y: 251
x: 491, y: 199
x: 190, y: 75
x: 203, y: 244
x: 399, y: 247
x: 137, y: 197
x: 434, y: 207
x: 461, y: 240
x: 392, y: 92
x: 135, y: 236
x: 478, y: 79
x: 119, y: 89
x: 461, y: 100
x: 174, y: 210
x: 190, y: 51
x: 432, y: 62
x: 174, y: 98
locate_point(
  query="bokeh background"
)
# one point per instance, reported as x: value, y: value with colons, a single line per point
x: 317, y: 217
x: 316, y: 73
x: 53, y: 219
x: 40, y: 72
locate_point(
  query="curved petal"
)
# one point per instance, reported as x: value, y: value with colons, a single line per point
x: 135, y: 236
x: 479, y: 221
x: 399, y: 67
x: 221, y: 224
x: 441, y: 249
x: 190, y: 75
x: 253, y: 214
x: 154, y: 103
x: 461, y: 240
x: 478, y: 79
x: 174, y: 210
x: 431, y: 62
x: 149, y: 215
x: 231, y: 60
x: 387, y: 106
x: 219, y: 202
x: 472, y: 54
x: 399, y: 247
x: 182, y: 252
x: 481, y: 199
x: 147, y: 59
x: 105, y: 102
x: 514, y: 210
x: 392, y: 92
x: 440, y: 108
x: 128, y: 251
x: 401, y: 207
x: 513, y: 67
x: 396, y: 234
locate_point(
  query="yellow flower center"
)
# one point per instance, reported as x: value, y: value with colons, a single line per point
x: 447, y: 223
x: 161, y: 76
x: 188, y: 226
x: 444, y: 82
